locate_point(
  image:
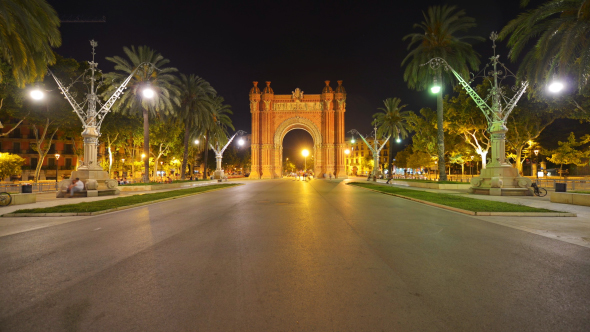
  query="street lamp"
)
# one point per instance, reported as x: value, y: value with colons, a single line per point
x: 37, y: 94
x: 122, y: 166
x: 536, y: 151
x: 196, y: 141
x: 305, y: 153
x: 435, y: 87
x: 56, y: 167
x: 471, y: 166
x: 496, y: 107
x: 555, y: 86
x: 147, y: 91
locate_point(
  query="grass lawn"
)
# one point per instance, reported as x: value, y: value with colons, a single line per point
x: 580, y: 192
x: 121, y: 201
x: 431, y: 181
x: 154, y: 183
x: 456, y: 201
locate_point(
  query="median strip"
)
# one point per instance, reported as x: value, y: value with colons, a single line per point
x: 115, y: 204
x: 461, y: 204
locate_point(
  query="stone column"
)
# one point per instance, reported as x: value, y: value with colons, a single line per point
x: 255, y: 145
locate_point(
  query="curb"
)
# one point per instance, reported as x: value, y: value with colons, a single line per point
x: 481, y: 214
x: 72, y: 214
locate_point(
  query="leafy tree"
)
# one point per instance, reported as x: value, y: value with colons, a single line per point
x: 195, y: 103
x: 425, y: 132
x: 54, y: 113
x: 10, y: 164
x: 559, y: 30
x: 28, y: 31
x: 156, y: 76
x: 392, y: 121
x: 419, y: 159
x: 11, y: 99
x: 402, y: 157
x: 165, y: 137
x: 567, y: 153
x: 440, y: 37
x: 288, y: 166
x: 465, y: 119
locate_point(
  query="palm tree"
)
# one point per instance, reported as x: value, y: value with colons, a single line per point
x: 28, y: 31
x: 560, y: 30
x: 195, y: 102
x: 392, y: 121
x: 155, y: 76
x: 214, y: 126
x: 439, y: 38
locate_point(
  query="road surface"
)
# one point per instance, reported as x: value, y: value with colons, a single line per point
x: 283, y: 255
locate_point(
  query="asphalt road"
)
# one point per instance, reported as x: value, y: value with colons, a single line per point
x: 290, y: 256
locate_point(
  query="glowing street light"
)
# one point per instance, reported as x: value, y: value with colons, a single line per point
x: 435, y: 87
x: 142, y: 155
x: 196, y: 141
x: 37, y: 94
x: 555, y: 86
x: 305, y: 153
x: 347, y: 151
x: 241, y: 142
x: 56, y: 163
x: 398, y: 140
x: 148, y: 92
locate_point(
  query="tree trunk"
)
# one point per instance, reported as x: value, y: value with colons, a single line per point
x: 519, y: 160
x: 185, y: 156
x: 146, y: 146
x: 206, y: 152
x: 440, y: 129
x: 484, y: 161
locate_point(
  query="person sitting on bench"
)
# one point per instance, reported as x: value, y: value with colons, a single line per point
x: 76, y: 186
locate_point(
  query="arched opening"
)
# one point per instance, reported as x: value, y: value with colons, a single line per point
x: 294, y: 142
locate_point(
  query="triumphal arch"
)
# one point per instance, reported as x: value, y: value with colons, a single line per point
x: 273, y: 116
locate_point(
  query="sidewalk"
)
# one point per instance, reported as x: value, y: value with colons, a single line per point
x: 48, y: 199
x: 574, y: 230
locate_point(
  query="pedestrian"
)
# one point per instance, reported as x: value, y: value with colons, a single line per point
x: 76, y: 186
x: 330, y: 176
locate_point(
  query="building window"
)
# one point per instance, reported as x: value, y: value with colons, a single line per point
x: 68, y: 162
x: 15, y: 133
x: 68, y: 149
x: 52, y: 149
x: 51, y: 161
x: 16, y: 147
x: 34, y: 162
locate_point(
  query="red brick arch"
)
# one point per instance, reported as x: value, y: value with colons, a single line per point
x: 322, y: 115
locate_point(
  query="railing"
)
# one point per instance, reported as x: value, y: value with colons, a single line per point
x: 572, y: 184
x: 37, y: 187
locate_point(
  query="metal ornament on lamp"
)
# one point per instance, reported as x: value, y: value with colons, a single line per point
x: 90, y: 171
x: 499, y: 177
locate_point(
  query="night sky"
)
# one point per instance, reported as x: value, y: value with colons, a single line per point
x: 293, y: 44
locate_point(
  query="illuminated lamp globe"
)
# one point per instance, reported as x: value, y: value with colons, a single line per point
x: 196, y: 141
x: 37, y: 94
x: 555, y: 87
x: 305, y: 153
x: 435, y: 89
x: 148, y: 93
x: 241, y: 142
x: 347, y: 151
x: 398, y: 140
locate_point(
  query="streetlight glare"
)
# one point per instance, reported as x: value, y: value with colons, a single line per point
x: 142, y: 155
x: 148, y: 93
x: 196, y: 141
x: 240, y: 142
x: 398, y: 140
x: 37, y: 94
x: 555, y: 87
x: 305, y: 153
x: 347, y: 151
x: 435, y: 89
x: 352, y: 140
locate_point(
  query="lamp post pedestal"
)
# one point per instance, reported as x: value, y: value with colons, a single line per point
x: 499, y: 178
x: 219, y: 173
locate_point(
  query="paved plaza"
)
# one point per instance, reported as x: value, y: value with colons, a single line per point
x: 284, y: 255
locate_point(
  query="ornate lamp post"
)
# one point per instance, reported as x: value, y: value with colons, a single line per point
x: 305, y: 153
x: 56, y: 165
x: 219, y: 174
x: 375, y: 149
x: 499, y: 175
x: 536, y: 151
x: 90, y: 171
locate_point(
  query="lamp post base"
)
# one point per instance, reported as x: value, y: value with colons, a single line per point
x: 501, y: 181
x: 93, y: 179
